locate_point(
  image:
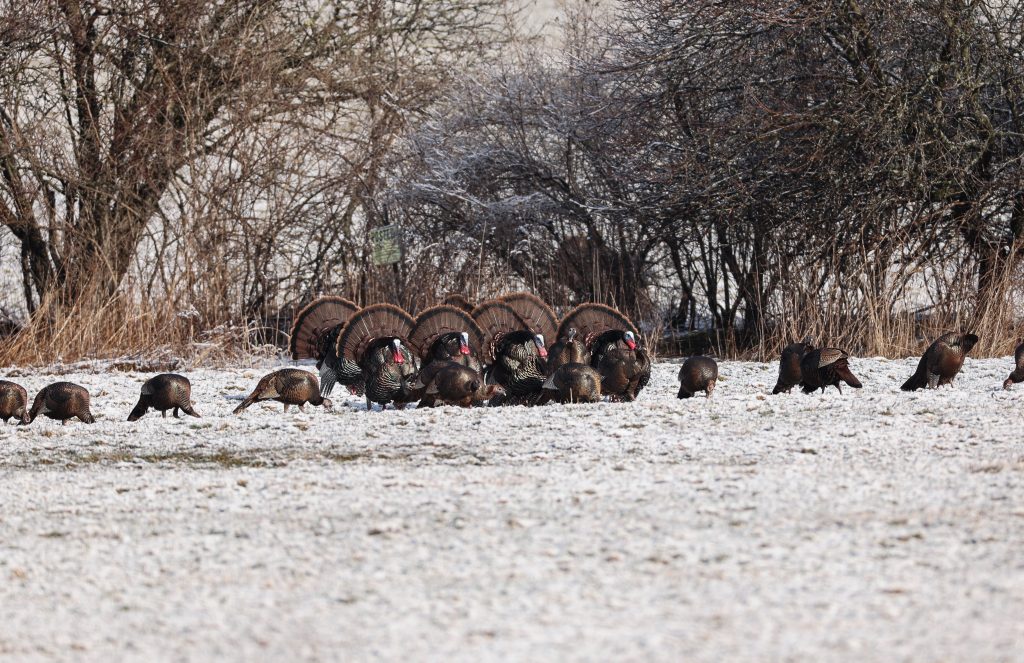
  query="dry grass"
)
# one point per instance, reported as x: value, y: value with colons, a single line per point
x: 119, y: 327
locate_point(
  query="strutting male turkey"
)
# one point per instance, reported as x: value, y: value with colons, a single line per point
x: 167, y: 391
x: 291, y: 386
x: 697, y: 374
x: 13, y: 401
x: 513, y: 349
x: 62, y: 401
x: 315, y: 336
x: 941, y: 361
x: 377, y: 338
x: 447, y: 334
x: 615, y: 351
x: 1018, y: 367
x: 826, y: 367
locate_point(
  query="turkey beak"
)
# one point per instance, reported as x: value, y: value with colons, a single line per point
x: 464, y: 343
x: 538, y: 340
x: 396, y: 347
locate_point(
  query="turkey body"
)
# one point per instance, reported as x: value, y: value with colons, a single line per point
x: 62, y: 401
x: 567, y: 350
x: 697, y: 374
x: 789, y: 366
x: 826, y: 367
x: 625, y: 368
x: 941, y: 361
x: 1017, y: 375
x: 574, y: 382
x: 452, y: 383
x: 13, y: 401
x: 167, y: 391
x: 388, y: 372
x: 290, y: 386
x: 519, y: 367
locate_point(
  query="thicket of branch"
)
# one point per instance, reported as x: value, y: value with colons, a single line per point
x: 850, y: 170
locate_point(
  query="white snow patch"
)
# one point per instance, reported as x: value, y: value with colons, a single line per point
x: 869, y: 525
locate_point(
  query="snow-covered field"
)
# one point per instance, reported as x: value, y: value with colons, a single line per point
x: 872, y: 525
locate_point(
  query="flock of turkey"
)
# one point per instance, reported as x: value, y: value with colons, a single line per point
x: 494, y: 353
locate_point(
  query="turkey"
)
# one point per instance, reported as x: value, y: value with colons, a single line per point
x: 459, y: 302
x: 62, y: 401
x: 941, y: 361
x: 697, y: 374
x: 789, y: 366
x: 574, y: 382
x: 569, y: 349
x: 446, y: 333
x: 450, y: 383
x: 1018, y: 367
x: 13, y: 401
x: 826, y: 367
x: 515, y: 351
x: 314, y: 335
x: 624, y: 366
x: 167, y: 391
x: 290, y: 386
x: 377, y: 338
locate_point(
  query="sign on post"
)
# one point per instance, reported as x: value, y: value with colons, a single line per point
x: 387, y: 244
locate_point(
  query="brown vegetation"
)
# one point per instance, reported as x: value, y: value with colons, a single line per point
x: 734, y: 176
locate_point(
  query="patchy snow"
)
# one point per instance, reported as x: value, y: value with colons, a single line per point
x: 868, y: 525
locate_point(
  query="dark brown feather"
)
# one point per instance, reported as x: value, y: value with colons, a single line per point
x: 370, y: 324
x: 437, y: 321
x: 317, y: 325
x: 495, y: 319
x: 539, y: 317
x: 592, y: 320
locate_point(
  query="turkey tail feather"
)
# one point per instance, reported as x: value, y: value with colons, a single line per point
x: 535, y: 311
x: 316, y: 323
x: 919, y: 380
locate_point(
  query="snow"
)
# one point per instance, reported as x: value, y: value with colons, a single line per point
x: 868, y: 525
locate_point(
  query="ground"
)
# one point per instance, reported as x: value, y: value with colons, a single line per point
x: 867, y: 525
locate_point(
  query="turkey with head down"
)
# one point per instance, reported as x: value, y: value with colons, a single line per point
x: 315, y: 336
x: 62, y: 401
x: 826, y: 367
x: 697, y: 374
x: 291, y: 386
x: 1018, y: 367
x: 377, y: 338
x: 789, y: 365
x: 13, y: 401
x: 514, y: 351
x: 941, y: 361
x: 615, y: 352
x: 573, y: 383
x: 450, y: 383
x: 167, y: 391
